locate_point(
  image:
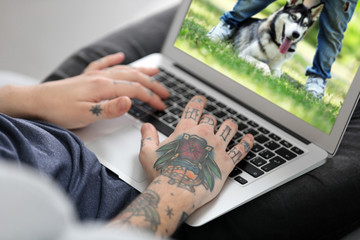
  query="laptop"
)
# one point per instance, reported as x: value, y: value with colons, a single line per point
x: 292, y: 136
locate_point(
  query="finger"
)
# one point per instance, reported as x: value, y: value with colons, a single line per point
x: 192, y: 113
x: 227, y: 131
x: 105, y: 62
x: 239, y: 151
x: 109, y: 89
x: 149, y: 144
x: 149, y: 137
x: 208, y: 120
x: 142, y: 76
x: 136, y: 90
x: 149, y: 70
x: 110, y: 109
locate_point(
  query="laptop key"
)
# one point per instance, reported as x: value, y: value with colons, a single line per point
x: 273, y: 163
x: 253, y: 124
x: 258, y: 161
x: 257, y: 148
x: 250, y: 169
x: 241, y: 180
x: 263, y: 130
x: 288, y: 155
x: 236, y: 171
x: 160, y: 126
x: 251, y: 131
x: 262, y: 139
x: 286, y: 144
x: 136, y: 112
x: 272, y: 145
x: 297, y: 150
x: 267, y: 154
x: 250, y: 155
x: 275, y: 137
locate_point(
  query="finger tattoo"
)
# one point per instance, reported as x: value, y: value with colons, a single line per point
x: 207, y: 120
x: 235, y: 155
x: 96, y: 110
x: 191, y: 113
x: 225, y: 134
x: 199, y: 100
x: 246, y: 146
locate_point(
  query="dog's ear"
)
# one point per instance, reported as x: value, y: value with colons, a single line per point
x: 316, y: 11
x: 293, y: 2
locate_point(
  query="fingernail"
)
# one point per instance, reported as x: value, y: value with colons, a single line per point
x: 123, y: 103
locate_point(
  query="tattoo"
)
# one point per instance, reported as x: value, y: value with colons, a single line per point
x: 96, y: 110
x: 235, y: 155
x: 246, y: 146
x: 151, y: 93
x: 207, y: 120
x: 169, y: 212
x: 184, y: 216
x: 188, y: 162
x: 144, y: 206
x: 192, y: 113
x: 157, y: 181
x: 199, y: 100
x: 120, y: 82
x: 143, y: 141
x: 225, y: 134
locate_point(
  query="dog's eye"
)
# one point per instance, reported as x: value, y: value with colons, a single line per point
x: 293, y: 17
x: 305, y: 25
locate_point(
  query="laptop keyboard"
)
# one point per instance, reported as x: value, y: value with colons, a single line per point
x: 269, y: 151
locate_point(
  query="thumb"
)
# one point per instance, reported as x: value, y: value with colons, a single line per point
x: 149, y: 144
x: 116, y: 107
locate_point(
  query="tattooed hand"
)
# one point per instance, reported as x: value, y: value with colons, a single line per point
x: 102, y: 91
x: 187, y: 170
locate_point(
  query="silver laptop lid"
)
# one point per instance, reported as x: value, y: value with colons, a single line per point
x: 320, y: 122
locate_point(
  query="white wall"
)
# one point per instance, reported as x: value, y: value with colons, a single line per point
x: 37, y: 35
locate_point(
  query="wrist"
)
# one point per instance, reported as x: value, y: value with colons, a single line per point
x: 15, y: 101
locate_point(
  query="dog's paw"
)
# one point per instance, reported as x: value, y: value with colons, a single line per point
x: 256, y: 63
x: 276, y: 72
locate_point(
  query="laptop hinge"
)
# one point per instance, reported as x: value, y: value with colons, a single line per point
x: 295, y: 135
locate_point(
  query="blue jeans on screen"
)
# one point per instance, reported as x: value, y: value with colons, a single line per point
x: 332, y: 25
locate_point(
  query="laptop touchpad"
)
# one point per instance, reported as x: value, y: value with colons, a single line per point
x: 119, y: 152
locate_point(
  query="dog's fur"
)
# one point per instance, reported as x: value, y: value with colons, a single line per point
x: 268, y: 43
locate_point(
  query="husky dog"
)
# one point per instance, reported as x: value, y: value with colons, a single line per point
x: 268, y: 43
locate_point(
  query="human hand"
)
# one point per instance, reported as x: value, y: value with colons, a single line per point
x: 102, y: 91
x: 193, y: 160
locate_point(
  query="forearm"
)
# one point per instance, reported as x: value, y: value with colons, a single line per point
x: 161, y: 208
x: 15, y: 101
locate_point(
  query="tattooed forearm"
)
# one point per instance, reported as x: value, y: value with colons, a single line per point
x: 96, y: 110
x: 169, y: 212
x: 188, y: 162
x: 144, y: 207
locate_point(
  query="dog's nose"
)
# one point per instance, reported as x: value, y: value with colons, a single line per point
x: 296, y: 35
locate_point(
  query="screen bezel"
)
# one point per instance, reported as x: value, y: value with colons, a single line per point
x: 329, y: 142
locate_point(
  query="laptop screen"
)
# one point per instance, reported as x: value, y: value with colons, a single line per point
x: 302, y: 61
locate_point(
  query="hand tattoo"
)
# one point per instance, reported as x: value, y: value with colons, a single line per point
x: 96, y: 110
x: 192, y: 113
x: 207, y: 120
x: 235, y: 155
x: 225, y: 134
x: 188, y: 162
x: 144, y: 206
